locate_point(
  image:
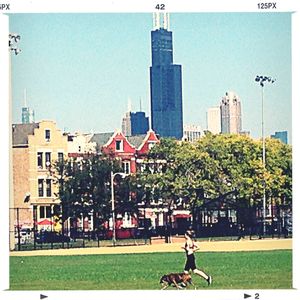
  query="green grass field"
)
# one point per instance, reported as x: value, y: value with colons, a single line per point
x: 230, y: 270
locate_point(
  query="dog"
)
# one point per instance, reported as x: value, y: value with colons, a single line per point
x: 178, y: 280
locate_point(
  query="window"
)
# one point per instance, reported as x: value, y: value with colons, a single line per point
x: 119, y: 145
x: 48, y: 188
x: 45, y: 212
x: 41, y: 187
x: 48, y: 211
x: 126, y: 167
x: 60, y: 157
x: 42, y: 211
x: 40, y: 160
x: 48, y: 159
x: 151, y: 145
x: 47, y: 135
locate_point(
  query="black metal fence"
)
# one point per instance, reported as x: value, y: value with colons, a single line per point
x: 244, y: 222
x: 30, y: 239
x: 29, y: 235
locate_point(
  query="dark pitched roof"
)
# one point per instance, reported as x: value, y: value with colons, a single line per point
x: 136, y: 140
x: 20, y: 133
x: 101, y: 138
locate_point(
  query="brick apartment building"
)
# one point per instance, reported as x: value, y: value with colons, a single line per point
x: 35, y: 147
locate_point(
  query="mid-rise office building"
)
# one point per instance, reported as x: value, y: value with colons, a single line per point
x: 213, y: 118
x: 281, y: 135
x: 139, y: 123
x: 231, y: 117
x: 135, y: 123
x: 126, y: 124
x: 192, y: 133
x: 165, y: 82
x: 27, y: 115
x: 27, y: 112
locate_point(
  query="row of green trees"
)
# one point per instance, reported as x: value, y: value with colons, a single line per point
x: 213, y: 169
x: 219, y: 165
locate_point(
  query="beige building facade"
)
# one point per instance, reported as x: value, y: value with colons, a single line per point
x: 36, y: 147
x: 213, y: 119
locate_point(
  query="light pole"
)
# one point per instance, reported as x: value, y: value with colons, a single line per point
x: 13, y: 39
x: 262, y: 81
x: 112, y: 177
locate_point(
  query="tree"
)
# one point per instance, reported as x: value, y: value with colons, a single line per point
x: 83, y: 187
x: 220, y: 167
x: 279, y: 172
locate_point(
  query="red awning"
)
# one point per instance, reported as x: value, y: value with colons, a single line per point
x: 183, y: 216
x: 45, y: 222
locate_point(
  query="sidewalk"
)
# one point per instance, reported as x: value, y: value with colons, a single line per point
x: 175, y: 246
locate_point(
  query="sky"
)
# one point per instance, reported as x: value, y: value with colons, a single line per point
x: 81, y: 69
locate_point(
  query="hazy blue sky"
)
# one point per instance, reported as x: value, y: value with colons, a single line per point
x: 80, y: 69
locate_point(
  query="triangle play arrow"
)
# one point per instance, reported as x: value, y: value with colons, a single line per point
x: 43, y: 296
x: 246, y: 296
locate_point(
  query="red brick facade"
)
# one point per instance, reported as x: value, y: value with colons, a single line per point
x: 120, y: 146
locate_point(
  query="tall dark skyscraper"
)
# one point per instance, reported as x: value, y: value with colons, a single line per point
x: 139, y: 123
x: 165, y: 82
x: 135, y: 123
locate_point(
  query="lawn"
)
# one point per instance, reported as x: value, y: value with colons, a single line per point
x: 230, y: 270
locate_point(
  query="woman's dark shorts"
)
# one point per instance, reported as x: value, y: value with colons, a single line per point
x: 190, y: 263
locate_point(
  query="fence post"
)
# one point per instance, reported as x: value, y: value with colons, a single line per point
x: 18, y: 229
x: 34, y: 225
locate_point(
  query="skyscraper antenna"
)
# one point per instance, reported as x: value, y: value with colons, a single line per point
x: 166, y: 21
x: 129, y: 108
x: 156, y: 20
x: 140, y: 103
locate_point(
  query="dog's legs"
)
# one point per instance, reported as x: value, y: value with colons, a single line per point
x: 191, y: 282
x: 175, y: 283
x: 164, y: 286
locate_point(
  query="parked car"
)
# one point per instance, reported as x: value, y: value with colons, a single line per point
x: 25, y: 236
x: 51, y: 237
x: 289, y: 224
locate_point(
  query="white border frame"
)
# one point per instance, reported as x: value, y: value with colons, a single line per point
x: 37, y: 6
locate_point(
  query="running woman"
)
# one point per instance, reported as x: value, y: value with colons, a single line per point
x: 190, y: 247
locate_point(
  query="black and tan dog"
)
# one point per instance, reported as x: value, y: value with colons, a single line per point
x: 178, y: 280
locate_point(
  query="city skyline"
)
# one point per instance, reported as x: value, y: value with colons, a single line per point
x: 76, y: 73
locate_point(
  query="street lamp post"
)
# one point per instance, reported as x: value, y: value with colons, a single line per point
x: 262, y: 81
x: 112, y: 177
x: 13, y: 40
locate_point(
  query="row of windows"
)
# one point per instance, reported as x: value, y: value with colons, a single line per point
x: 45, y: 185
x: 119, y: 145
x: 45, y: 163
